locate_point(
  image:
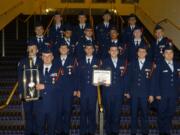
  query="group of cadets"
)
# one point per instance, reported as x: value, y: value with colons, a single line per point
x: 66, y: 59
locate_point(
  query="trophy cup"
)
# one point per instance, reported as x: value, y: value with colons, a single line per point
x: 178, y: 70
x: 147, y: 73
x: 30, y: 79
x: 70, y: 68
x: 161, y: 48
x: 122, y: 68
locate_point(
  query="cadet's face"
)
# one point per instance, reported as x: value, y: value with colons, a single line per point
x: 141, y: 53
x: 89, y: 50
x: 39, y: 30
x: 88, y: 32
x: 32, y: 50
x: 47, y: 58
x: 114, y: 34
x: 63, y: 50
x: 132, y: 21
x: 159, y: 33
x: 169, y: 55
x: 137, y: 33
x: 107, y: 17
x: 114, y: 52
x: 82, y: 19
x: 57, y: 18
x: 68, y: 34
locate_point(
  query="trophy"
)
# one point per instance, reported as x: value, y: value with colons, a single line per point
x: 122, y: 68
x: 161, y: 48
x: 30, y: 79
x: 178, y: 70
x: 147, y: 73
x: 70, y: 68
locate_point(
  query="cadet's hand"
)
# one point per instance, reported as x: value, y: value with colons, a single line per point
x: 158, y: 97
x: 75, y: 93
x: 78, y: 94
x: 151, y: 99
x: 40, y: 86
x: 127, y: 95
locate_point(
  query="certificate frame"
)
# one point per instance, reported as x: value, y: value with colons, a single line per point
x: 101, y: 77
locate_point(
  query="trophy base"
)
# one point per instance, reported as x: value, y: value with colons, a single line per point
x: 31, y: 99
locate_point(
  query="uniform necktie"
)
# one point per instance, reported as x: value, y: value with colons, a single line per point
x: 46, y: 71
x: 63, y: 61
x: 40, y: 40
x: 141, y: 64
x: 115, y: 63
x: 171, y: 66
x: 89, y: 61
x: 68, y: 41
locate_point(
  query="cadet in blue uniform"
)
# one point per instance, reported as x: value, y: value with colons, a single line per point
x: 40, y: 38
x: 127, y: 33
x: 56, y: 31
x: 48, y: 86
x: 113, y: 94
x: 78, y: 31
x: 87, y: 92
x: 114, y: 39
x: 159, y: 44
x: 166, y: 83
x: 66, y: 65
x: 29, y: 107
x: 69, y: 40
x: 139, y: 87
x: 102, y: 34
x: 80, y: 45
x: 135, y: 43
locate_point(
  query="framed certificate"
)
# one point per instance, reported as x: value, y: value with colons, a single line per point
x: 101, y: 77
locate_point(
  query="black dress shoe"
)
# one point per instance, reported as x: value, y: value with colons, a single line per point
x: 66, y: 133
x: 115, y: 133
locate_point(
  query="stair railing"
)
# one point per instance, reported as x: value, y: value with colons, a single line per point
x: 10, y: 97
x: 166, y: 20
x: 52, y: 19
x: 101, y: 111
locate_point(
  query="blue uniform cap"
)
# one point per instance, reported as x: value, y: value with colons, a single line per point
x: 89, y: 43
x: 62, y: 43
x: 168, y: 48
x: 31, y: 43
x: 88, y: 27
x: 82, y: 13
x: 106, y: 13
x: 132, y: 16
x: 137, y: 28
x: 143, y: 46
x: 158, y: 27
x: 57, y: 13
x: 68, y: 28
x: 113, y: 45
x: 46, y: 49
x: 38, y: 24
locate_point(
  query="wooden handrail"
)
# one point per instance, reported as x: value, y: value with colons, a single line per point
x: 47, y: 28
x: 170, y: 22
x: 158, y: 22
x: 99, y: 99
x: 122, y: 20
x: 145, y: 13
x: 10, y: 9
x: 10, y: 97
x: 27, y: 19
